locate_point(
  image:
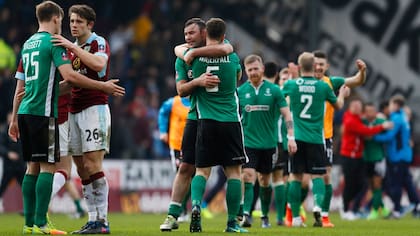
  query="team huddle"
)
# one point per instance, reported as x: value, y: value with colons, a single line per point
x: 277, y: 129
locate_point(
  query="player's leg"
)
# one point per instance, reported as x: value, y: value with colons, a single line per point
x: 75, y: 196
x: 63, y: 167
x: 233, y: 197
x: 278, y: 184
x: 317, y: 164
x: 264, y: 168
x: 44, y: 146
x: 249, y: 176
x: 297, y: 168
x: 198, y: 186
x: 94, y: 128
x: 183, y: 177
x: 212, y: 192
x: 328, y: 186
x: 77, y: 151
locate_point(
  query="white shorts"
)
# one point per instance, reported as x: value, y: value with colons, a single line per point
x: 64, y: 134
x: 90, y: 130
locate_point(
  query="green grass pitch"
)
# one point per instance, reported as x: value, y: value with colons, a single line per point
x: 148, y: 225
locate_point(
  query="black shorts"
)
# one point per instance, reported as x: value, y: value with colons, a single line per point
x: 188, y: 142
x: 39, y: 138
x: 282, y: 158
x: 262, y: 160
x: 329, y: 152
x: 309, y: 158
x: 219, y: 143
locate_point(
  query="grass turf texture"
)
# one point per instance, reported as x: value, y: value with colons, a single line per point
x: 148, y: 224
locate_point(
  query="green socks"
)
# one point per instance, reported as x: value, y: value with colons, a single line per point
x: 327, y: 198
x: 248, y: 197
x: 28, y: 192
x: 43, y: 191
x: 318, y: 189
x: 265, y: 197
x: 175, y: 209
x: 280, y: 200
x: 233, y: 198
x: 377, y: 199
x: 198, y: 186
x: 294, y: 197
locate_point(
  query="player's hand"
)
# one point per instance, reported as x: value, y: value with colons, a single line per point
x: 14, y: 156
x: 361, y: 65
x: 345, y: 91
x: 291, y: 146
x: 388, y: 125
x: 164, y: 137
x: 110, y: 87
x: 13, y: 131
x: 208, y: 80
x: 189, y: 57
x: 59, y: 40
x: 19, y: 95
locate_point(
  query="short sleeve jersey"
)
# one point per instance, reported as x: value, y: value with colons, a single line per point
x: 307, y: 103
x: 335, y: 83
x: 260, y: 113
x: 221, y: 105
x: 40, y: 60
x: 82, y: 98
x: 183, y: 71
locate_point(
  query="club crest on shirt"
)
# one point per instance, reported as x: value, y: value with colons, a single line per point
x: 76, y: 63
x: 64, y: 56
x: 267, y: 92
x: 190, y: 74
x: 247, y: 95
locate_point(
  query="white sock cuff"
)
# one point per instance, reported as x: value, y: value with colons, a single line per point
x: 175, y: 203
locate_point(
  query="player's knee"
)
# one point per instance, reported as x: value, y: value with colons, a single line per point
x: 186, y: 170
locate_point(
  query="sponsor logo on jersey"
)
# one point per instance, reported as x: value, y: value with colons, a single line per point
x: 251, y: 108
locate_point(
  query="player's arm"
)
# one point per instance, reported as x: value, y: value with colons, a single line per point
x: 93, y: 61
x: 359, y: 78
x: 343, y: 93
x: 291, y: 143
x: 17, y: 99
x: 13, y: 131
x: 163, y: 119
x: 216, y: 50
x: 180, y: 50
x: 206, y: 80
x: 79, y: 80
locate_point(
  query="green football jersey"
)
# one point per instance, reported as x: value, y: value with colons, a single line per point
x: 374, y: 151
x: 183, y: 71
x: 307, y: 104
x: 40, y: 60
x: 337, y: 82
x: 219, y: 103
x: 260, y: 113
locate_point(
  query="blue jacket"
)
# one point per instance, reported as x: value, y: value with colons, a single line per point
x: 397, y: 140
